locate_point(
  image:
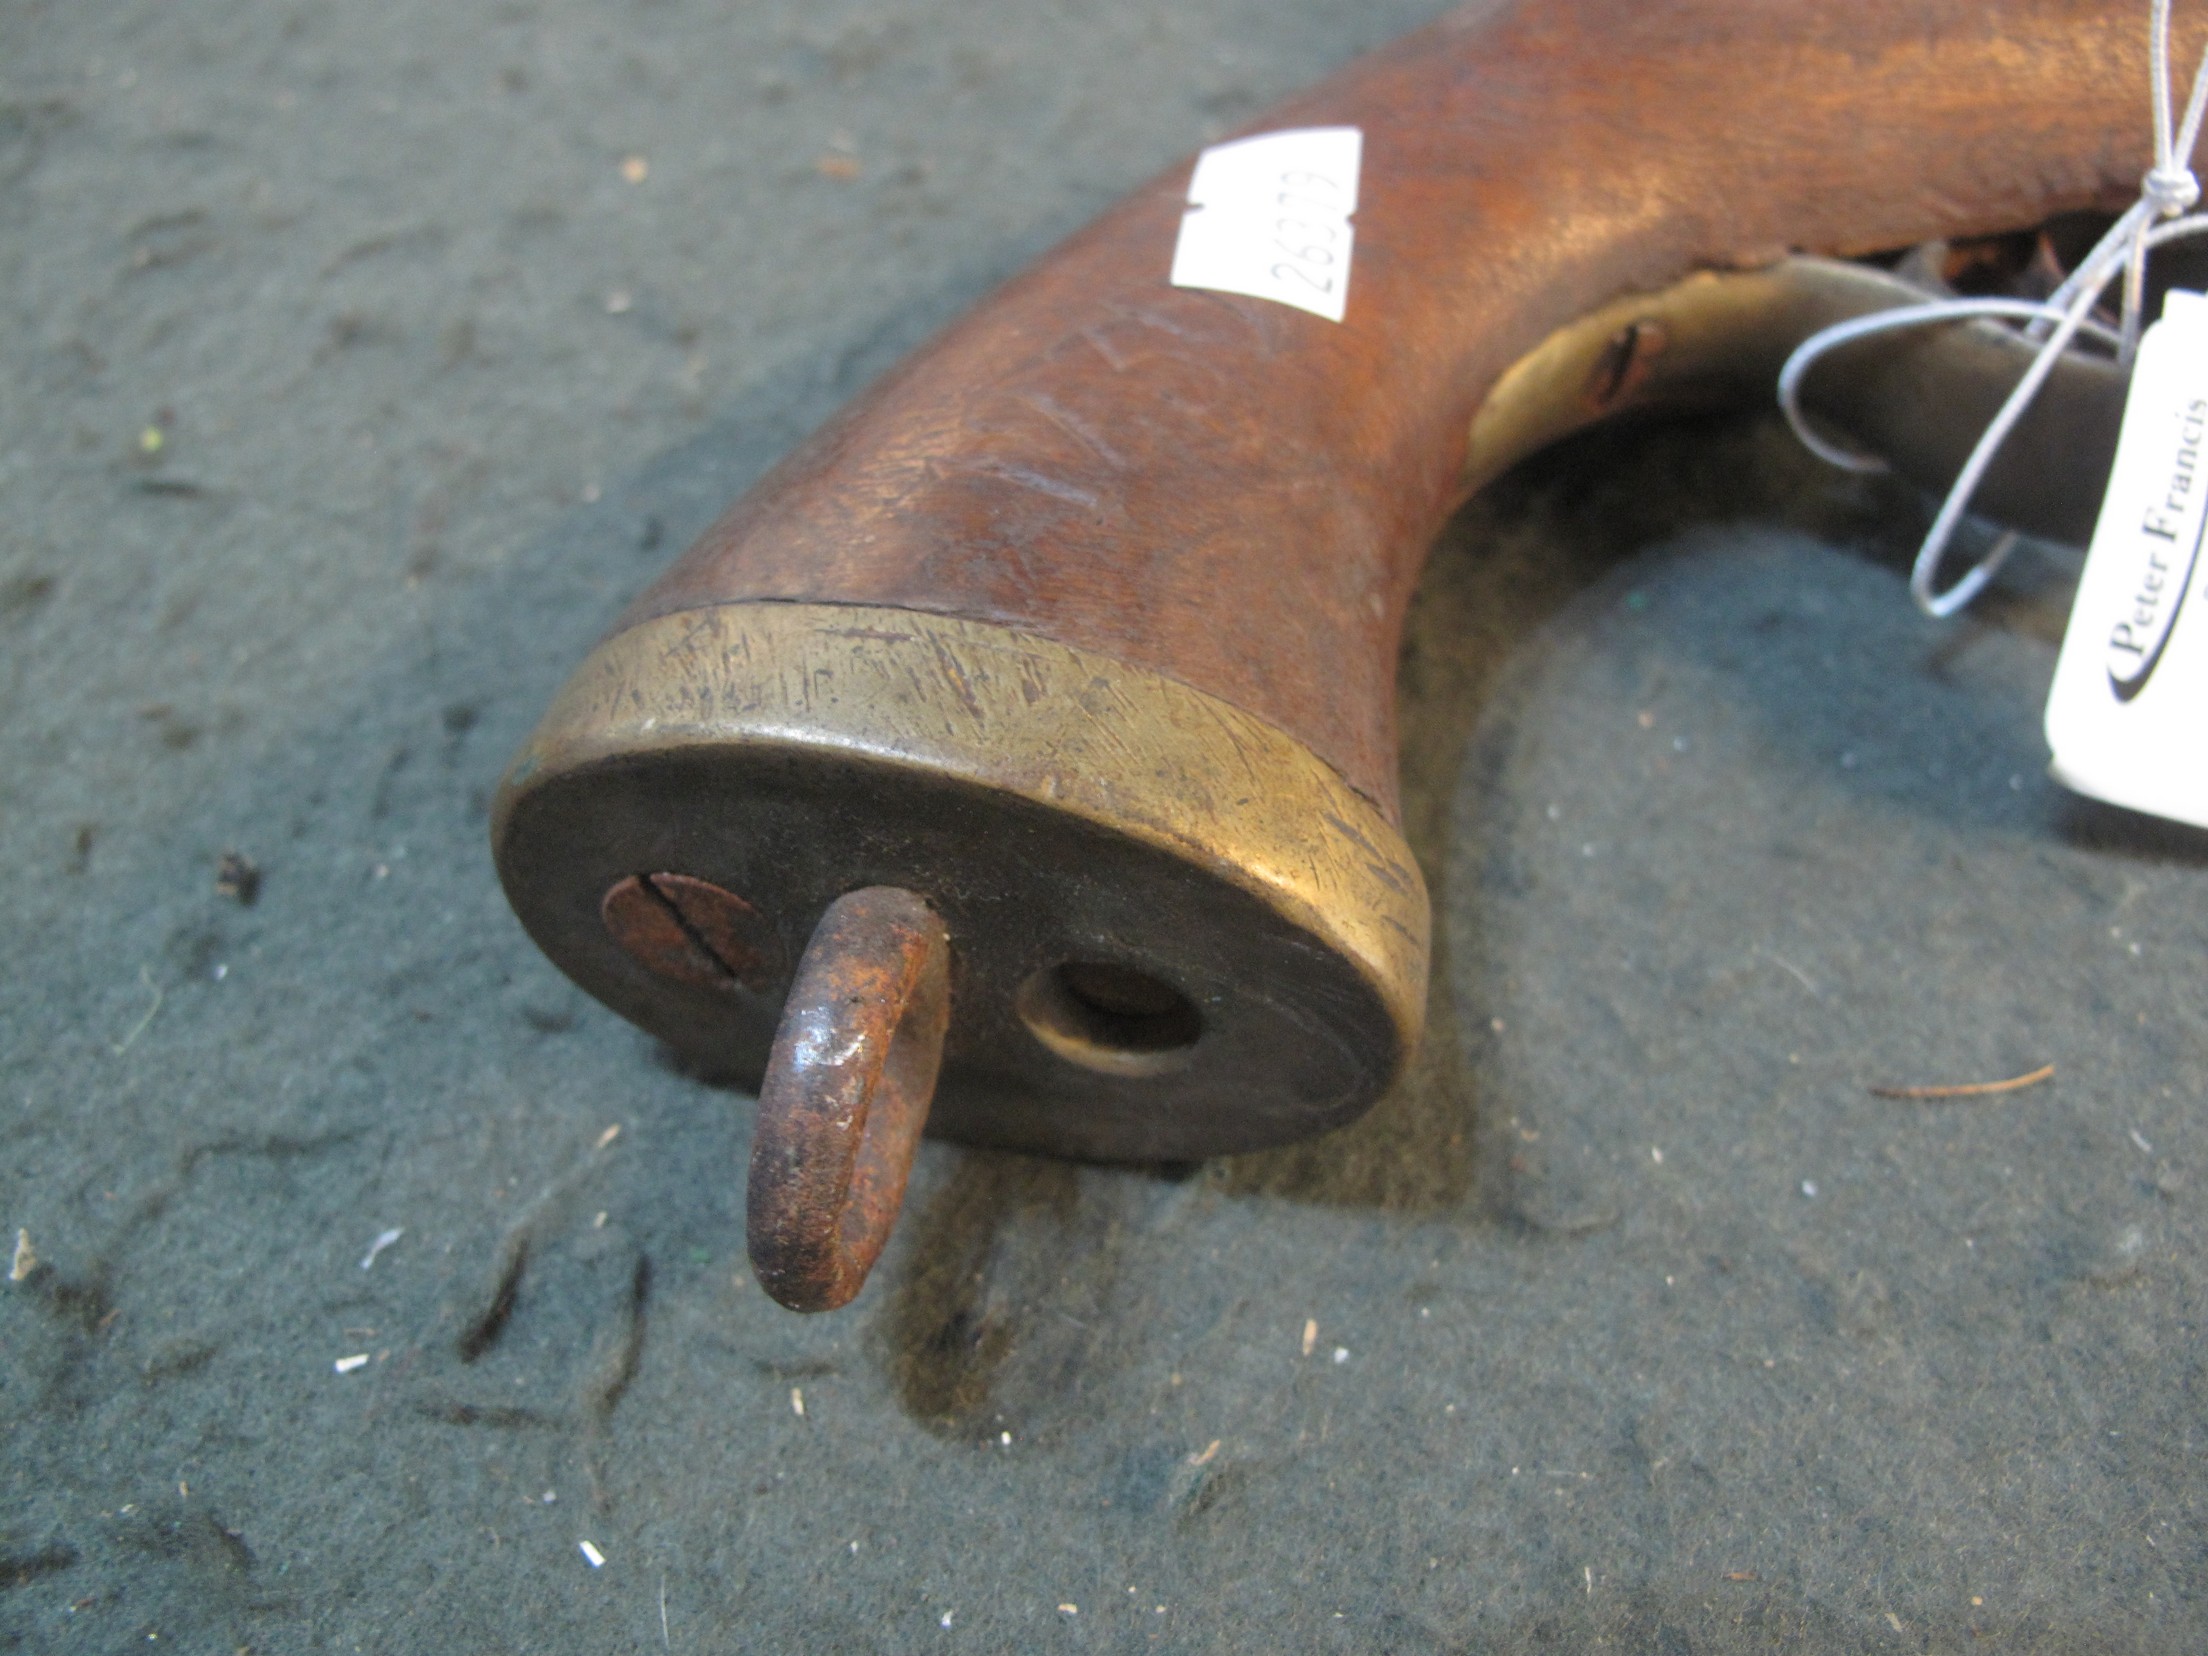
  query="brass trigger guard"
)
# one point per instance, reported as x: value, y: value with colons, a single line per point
x: 1919, y: 400
x: 846, y: 1095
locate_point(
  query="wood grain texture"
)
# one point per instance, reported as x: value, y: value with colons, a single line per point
x: 1239, y: 495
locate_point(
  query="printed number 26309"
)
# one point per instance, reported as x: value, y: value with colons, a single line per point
x: 1309, y: 229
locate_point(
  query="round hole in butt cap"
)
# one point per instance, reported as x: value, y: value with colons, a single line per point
x: 1110, y: 1017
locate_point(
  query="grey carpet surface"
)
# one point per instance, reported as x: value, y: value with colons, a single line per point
x: 361, y: 361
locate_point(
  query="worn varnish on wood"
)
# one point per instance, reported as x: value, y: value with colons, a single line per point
x: 1240, y: 495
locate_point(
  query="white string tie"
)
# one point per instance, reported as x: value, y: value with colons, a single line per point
x: 2169, y: 190
x: 2163, y: 213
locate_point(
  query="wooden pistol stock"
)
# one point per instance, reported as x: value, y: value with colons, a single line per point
x: 1057, y: 671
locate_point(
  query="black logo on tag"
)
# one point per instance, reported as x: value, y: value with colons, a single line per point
x: 2136, y: 643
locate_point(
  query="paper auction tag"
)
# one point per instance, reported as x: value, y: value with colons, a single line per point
x: 2128, y: 715
x: 1269, y: 216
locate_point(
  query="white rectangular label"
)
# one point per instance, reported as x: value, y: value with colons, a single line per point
x: 1269, y: 216
x: 2129, y: 709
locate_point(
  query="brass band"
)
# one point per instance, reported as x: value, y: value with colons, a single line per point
x: 964, y: 742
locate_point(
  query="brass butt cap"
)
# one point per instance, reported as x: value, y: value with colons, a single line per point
x: 1175, y: 931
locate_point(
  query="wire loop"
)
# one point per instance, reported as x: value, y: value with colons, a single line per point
x: 2168, y: 192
